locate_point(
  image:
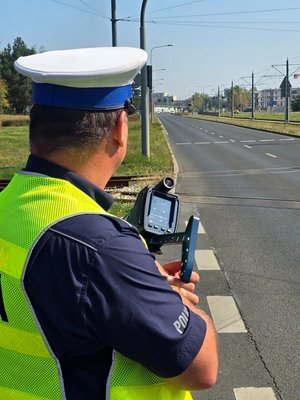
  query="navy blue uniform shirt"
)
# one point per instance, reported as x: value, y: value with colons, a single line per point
x: 95, y: 287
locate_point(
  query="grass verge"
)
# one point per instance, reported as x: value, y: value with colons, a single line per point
x: 272, y: 126
x: 14, y: 151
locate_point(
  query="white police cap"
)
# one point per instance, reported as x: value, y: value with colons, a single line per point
x: 89, y: 78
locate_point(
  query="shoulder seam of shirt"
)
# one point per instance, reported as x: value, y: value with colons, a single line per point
x: 73, y: 238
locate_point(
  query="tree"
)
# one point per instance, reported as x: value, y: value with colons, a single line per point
x: 241, y: 98
x: 3, y: 96
x: 199, y: 101
x: 296, y: 103
x: 18, y: 86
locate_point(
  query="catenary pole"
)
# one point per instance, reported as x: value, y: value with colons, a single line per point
x: 144, y: 89
x: 286, y: 119
x: 252, y: 96
x: 113, y: 23
x: 232, y: 100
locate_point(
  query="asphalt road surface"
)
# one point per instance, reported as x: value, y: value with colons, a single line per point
x: 245, y: 186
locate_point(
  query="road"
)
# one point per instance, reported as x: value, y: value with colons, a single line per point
x: 245, y: 186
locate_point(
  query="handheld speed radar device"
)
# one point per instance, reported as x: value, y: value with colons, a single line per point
x: 161, y: 209
x: 155, y: 214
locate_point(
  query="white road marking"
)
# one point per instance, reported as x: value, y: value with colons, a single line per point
x: 200, y: 228
x: 287, y: 139
x: 212, y: 133
x: 205, y: 130
x: 221, y: 136
x: 225, y: 315
x: 267, y: 140
x: 248, y: 141
x: 270, y: 155
x: 178, y: 144
x: 206, y: 260
x: 248, y: 147
x: 252, y: 393
x: 231, y: 140
x: 224, y: 141
x: 202, y: 142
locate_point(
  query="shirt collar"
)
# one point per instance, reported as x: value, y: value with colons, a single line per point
x: 42, y: 166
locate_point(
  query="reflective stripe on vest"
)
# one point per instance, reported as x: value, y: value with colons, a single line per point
x: 29, y: 369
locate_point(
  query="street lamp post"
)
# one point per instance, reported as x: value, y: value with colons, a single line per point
x: 150, y: 83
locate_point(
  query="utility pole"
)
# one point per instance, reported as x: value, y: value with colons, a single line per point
x: 252, y: 96
x: 113, y: 23
x: 144, y: 89
x: 287, y: 92
x: 219, y: 102
x: 232, y: 100
x: 252, y: 91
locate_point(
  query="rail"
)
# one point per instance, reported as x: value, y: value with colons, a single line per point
x: 114, y: 182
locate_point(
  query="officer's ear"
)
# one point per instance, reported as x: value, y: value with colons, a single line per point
x: 121, y: 130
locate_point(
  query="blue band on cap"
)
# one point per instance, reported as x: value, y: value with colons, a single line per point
x: 51, y: 95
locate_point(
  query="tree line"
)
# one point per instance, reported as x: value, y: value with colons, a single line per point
x: 15, y: 89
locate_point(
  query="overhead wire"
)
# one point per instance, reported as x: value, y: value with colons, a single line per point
x: 232, y: 13
x: 91, y: 7
x: 98, y: 13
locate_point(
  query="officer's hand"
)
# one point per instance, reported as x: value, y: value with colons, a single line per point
x: 172, y: 271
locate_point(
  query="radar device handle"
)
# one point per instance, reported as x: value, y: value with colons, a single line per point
x: 188, y: 249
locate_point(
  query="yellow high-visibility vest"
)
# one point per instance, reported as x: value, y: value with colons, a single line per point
x: 28, y: 368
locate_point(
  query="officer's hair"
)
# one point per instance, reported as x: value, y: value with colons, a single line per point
x: 54, y: 129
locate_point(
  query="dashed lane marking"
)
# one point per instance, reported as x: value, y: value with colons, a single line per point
x: 222, y: 141
x: 231, y: 140
x: 206, y: 260
x: 202, y: 142
x: 247, y: 141
x: 225, y: 314
x: 270, y: 155
x: 267, y: 140
x: 289, y: 139
x: 200, y: 228
x: 253, y: 393
x: 248, y: 147
x: 182, y: 143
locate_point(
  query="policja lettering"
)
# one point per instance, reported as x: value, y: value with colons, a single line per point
x: 182, y: 321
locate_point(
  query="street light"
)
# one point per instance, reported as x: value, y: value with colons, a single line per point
x: 158, y: 47
x: 150, y: 69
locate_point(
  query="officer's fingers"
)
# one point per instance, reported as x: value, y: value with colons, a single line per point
x: 191, y: 297
x: 188, y: 286
x: 195, y: 278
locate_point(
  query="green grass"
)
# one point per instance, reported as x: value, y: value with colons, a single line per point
x: 272, y: 126
x: 135, y: 163
x: 294, y: 116
x: 14, y: 151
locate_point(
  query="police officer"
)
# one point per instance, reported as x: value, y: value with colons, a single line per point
x: 85, y: 310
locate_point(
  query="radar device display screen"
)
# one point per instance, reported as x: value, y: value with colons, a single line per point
x: 161, y: 212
